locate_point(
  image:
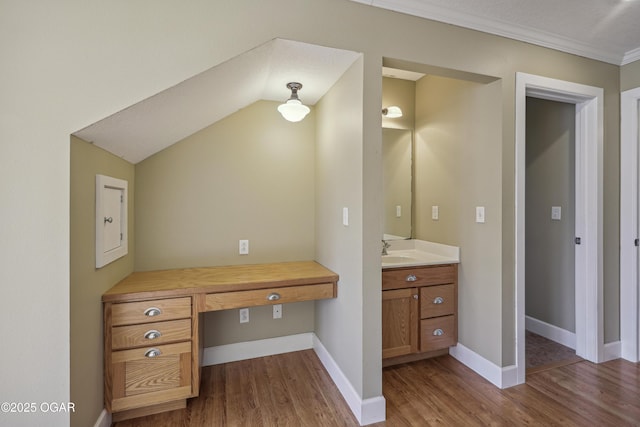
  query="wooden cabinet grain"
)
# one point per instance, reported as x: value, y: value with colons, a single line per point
x: 152, y: 325
x: 148, y: 354
x: 419, y: 311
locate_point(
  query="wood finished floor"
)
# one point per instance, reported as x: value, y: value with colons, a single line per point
x: 293, y: 389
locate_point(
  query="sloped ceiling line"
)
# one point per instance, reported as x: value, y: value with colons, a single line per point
x: 262, y: 73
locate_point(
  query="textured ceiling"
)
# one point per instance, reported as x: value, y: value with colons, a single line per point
x: 606, y: 30
x: 261, y: 73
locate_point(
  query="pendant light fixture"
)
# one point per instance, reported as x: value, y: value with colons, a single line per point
x: 293, y: 110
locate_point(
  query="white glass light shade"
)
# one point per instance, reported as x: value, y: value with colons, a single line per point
x: 392, y: 112
x: 293, y: 110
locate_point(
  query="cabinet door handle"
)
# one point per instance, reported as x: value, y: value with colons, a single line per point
x: 415, y: 297
x: 152, y: 311
x: 438, y: 300
x: 438, y: 332
x: 152, y: 334
x: 411, y: 278
x: 152, y: 352
x: 273, y: 296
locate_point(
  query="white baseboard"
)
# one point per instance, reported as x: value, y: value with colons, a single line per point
x: 259, y: 348
x: 104, y: 420
x: 551, y: 332
x: 367, y: 411
x: 500, y: 377
x: 612, y: 351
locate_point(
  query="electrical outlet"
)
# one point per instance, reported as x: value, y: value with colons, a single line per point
x: 243, y: 247
x: 277, y: 311
x: 244, y: 315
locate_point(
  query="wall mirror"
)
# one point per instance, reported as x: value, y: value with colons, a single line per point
x: 397, y: 173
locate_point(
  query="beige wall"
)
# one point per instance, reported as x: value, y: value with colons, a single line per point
x: 88, y: 283
x: 457, y: 156
x: 550, y: 181
x: 128, y: 55
x: 339, y: 184
x: 249, y: 176
x: 630, y: 76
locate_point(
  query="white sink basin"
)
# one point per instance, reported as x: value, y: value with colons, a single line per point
x: 395, y: 259
x: 411, y: 253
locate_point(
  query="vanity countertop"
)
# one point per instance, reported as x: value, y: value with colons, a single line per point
x: 412, y: 253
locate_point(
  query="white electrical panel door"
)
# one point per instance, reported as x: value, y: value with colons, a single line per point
x: 111, y: 219
x: 112, y: 211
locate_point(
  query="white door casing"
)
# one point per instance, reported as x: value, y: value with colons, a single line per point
x: 588, y: 206
x: 629, y: 293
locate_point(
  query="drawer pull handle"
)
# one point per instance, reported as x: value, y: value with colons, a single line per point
x: 153, y: 352
x: 273, y: 296
x: 411, y: 278
x: 438, y: 332
x: 152, y: 311
x: 152, y: 334
x: 438, y: 300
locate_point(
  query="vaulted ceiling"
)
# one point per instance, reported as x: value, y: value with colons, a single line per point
x: 162, y: 120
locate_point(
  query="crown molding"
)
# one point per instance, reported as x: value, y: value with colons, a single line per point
x: 501, y: 28
x: 631, y: 56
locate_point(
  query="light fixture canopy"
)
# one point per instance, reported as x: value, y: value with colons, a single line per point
x: 392, y: 112
x: 293, y: 110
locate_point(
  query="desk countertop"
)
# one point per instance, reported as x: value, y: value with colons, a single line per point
x: 203, y: 280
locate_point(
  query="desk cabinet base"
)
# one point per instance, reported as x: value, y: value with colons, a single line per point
x: 148, y: 410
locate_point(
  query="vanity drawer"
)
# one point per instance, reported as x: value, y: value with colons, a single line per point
x: 129, y: 313
x: 437, y: 301
x: 150, y: 374
x: 150, y: 334
x: 239, y: 299
x: 418, y: 276
x: 437, y: 333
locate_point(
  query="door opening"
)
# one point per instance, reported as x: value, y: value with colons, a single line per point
x: 549, y: 234
x: 588, y: 103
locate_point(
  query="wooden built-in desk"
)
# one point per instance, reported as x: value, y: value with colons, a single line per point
x: 152, y: 333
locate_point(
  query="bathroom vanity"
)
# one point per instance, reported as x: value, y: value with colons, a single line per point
x: 153, y: 325
x: 419, y: 301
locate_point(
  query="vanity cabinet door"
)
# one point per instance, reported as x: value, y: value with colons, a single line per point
x: 399, y: 322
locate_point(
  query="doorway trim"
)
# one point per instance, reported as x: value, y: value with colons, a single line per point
x: 629, y: 292
x: 588, y: 206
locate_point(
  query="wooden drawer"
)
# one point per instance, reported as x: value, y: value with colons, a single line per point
x: 129, y: 313
x: 430, y: 339
x: 227, y: 300
x: 140, y: 380
x: 437, y: 301
x: 418, y: 276
x: 147, y: 334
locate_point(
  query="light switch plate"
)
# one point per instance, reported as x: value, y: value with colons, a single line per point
x: 398, y: 211
x: 480, y: 214
x: 435, y: 212
x: 345, y: 216
x: 556, y: 213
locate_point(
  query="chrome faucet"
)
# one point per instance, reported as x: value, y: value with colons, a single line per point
x: 385, y: 245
